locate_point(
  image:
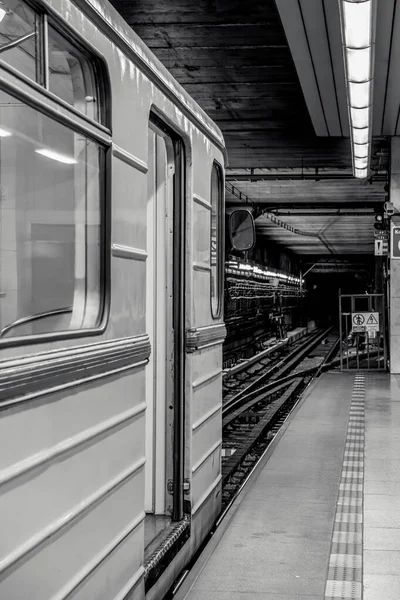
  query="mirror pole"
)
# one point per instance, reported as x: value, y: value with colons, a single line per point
x: 301, y: 297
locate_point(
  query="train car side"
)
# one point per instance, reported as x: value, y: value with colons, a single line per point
x: 87, y: 393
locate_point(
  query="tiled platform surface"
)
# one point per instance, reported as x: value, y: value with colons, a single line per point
x: 382, y: 488
x: 299, y: 526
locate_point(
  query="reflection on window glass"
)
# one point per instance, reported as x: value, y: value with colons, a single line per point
x: 216, y: 201
x: 18, y: 39
x: 50, y: 258
x: 71, y: 75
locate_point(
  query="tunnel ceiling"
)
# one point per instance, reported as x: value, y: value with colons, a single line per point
x: 235, y: 60
x: 339, y: 234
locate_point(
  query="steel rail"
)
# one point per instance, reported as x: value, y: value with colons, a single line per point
x: 284, y: 364
x: 278, y: 347
x: 266, y: 421
x: 328, y: 358
x: 263, y: 424
x: 302, y: 354
x: 229, y: 416
x: 238, y: 368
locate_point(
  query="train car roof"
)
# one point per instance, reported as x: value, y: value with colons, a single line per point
x: 110, y: 22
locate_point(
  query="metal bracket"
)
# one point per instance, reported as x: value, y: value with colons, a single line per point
x: 186, y: 486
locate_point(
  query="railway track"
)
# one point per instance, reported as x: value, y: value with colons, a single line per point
x: 251, y: 344
x: 253, y: 416
x: 251, y: 375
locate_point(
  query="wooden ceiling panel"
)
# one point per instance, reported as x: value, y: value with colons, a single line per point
x: 192, y: 57
x: 298, y: 156
x: 234, y: 59
x: 312, y: 193
x: 210, y: 35
x: 247, y: 104
x: 265, y: 90
x: 237, y: 74
x: 339, y: 234
x: 184, y: 12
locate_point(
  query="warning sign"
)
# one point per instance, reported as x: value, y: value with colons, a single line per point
x: 378, y: 247
x: 358, y: 322
x: 373, y: 319
x: 358, y: 319
x: 365, y: 321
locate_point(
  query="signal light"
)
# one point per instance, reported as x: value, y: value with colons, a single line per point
x: 379, y: 224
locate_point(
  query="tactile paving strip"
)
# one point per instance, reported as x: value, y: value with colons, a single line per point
x: 345, y: 564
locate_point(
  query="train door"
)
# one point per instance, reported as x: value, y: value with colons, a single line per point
x: 165, y: 293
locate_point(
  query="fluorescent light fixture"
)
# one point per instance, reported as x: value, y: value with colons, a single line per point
x: 242, y: 266
x: 361, y: 163
x: 360, y: 94
x: 3, y: 132
x: 62, y: 158
x: 359, y: 117
x: 357, y: 17
x: 359, y: 65
x: 360, y: 173
x: 360, y: 136
x: 358, y: 32
x: 3, y: 13
x: 361, y: 150
x: 261, y: 272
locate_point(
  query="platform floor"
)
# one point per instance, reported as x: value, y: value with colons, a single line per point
x: 322, y: 519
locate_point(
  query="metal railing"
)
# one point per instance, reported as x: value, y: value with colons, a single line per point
x: 37, y: 317
x: 362, y: 345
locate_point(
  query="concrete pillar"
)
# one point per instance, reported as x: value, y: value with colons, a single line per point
x: 394, y: 294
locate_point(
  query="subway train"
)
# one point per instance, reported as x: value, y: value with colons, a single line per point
x: 111, y: 302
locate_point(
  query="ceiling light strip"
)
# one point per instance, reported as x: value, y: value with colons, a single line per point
x: 358, y: 20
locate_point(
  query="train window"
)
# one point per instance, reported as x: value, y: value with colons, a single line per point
x: 63, y: 69
x: 18, y: 37
x: 71, y: 75
x: 50, y: 259
x: 215, y: 250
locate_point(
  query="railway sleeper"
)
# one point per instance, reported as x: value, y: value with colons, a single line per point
x: 283, y: 366
x: 271, y: 414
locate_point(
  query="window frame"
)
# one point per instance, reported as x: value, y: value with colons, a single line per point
x: 219, y: 240
x: 94, y: 57
x: 97, y: 62
x: 49, y: 104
